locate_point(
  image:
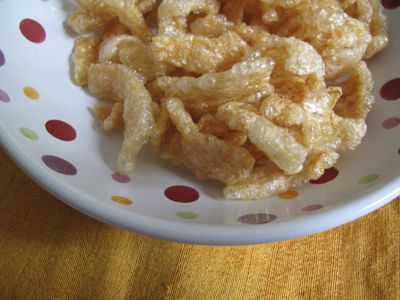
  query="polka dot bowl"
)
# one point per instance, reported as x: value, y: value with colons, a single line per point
x: 46, y: 126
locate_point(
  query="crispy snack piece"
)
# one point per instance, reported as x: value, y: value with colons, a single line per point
x: 370, y: 12
x: 162, y: 127
x: 267, y: 180
x: 206, y: 93
x: 110, y: 115
x: 120, y: 83
x: 158, y: 87
x: 146, y: 6
x: 282, y: 111
x: 199, y: 54
x: 131, y: 51
x: 291, y: 55
x: 83, y: 21
x: 244, y: 92
x: 211, y: 25
x: 85, y: 54
x: 234, y: 10
x: 357, y: 98
x: 173, y: 14
x: 276, y: 142
x: 127, y: 11
x: 115, y: 27
x: 207, y: 155
x: 341, y: 40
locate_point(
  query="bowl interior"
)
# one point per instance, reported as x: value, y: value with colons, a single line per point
x: 46, y: 125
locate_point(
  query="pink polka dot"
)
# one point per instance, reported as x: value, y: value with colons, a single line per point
x: 181, y: 194
x: 59, y: 165
x: 390, y: 4
x: 61, y: 130
x: 260, y: 218
x: 4, y: 96
x: 121, y: 178
x: 391, y: 90
x: 329, y: 175
x: 391, y: 123
x: 312, y: 207
x: 32, y: 31
x: 2, y: 58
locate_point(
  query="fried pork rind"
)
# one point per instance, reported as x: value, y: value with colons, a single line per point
x: 110, y: 115
x: 120, y: 83
x: 292, y: 56
x: 370, y: 12
x: 146, y: 6
x: 276, y: 142
x: 248, y: 93
x: 234, y: 10
x: 341, y: 40
x: 173, y: 14
x: 357, y: 98
x: 199, y: 54
x: 267, y: 180
x: 211, y: 25
x: 85, y: 54
x: 131, y: 51
x: 127, y: 11
x: 207, y: 155
x: 247, y: 80
x: 84, y: 21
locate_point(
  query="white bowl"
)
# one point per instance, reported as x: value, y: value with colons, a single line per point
x: 86, y: 182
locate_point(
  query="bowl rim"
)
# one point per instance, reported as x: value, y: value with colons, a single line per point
x: 243, y: 234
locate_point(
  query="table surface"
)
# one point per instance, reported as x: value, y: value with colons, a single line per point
x: 50, y: 251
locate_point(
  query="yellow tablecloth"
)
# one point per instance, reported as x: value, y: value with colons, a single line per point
x: 50, y: 251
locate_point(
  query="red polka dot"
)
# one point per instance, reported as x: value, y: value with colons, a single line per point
x: 312, y: 207
x: 260, y: 218
x: 32, y: 31
x: 61, y: 130
x: 4, y: 96
x: 59, y: 165
x: 181, y: 193
x: 390, y: 4
x: 391, y: 90
x: 391, y: 123
x: 329, y: 175
x: 2, y: 58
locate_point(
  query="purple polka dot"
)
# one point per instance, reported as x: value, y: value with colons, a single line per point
x: 390, y: 4
x: 2, y: 58
x: 260, y: 218
x: 59, y: 165
x: 4, y: 96
x: 181, y: 194
x: 391, y: 123
x: 312, y: 207
x: 391, y: 90
x: 121, y: 178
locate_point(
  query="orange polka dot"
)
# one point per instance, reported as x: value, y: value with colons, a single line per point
x: 121, y: 200
x: 288, y: 195
x: 31, y: 93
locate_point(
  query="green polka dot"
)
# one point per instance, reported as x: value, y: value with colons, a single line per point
x: 187, y: 215
x: 368, y: 178
x: 29, y: 133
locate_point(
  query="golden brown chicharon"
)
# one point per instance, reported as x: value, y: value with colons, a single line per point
x: 262, y: 95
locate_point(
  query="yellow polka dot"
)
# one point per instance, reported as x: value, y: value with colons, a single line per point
x: 121, y: 200
x: 31, y: 93
x: 288, y: 195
